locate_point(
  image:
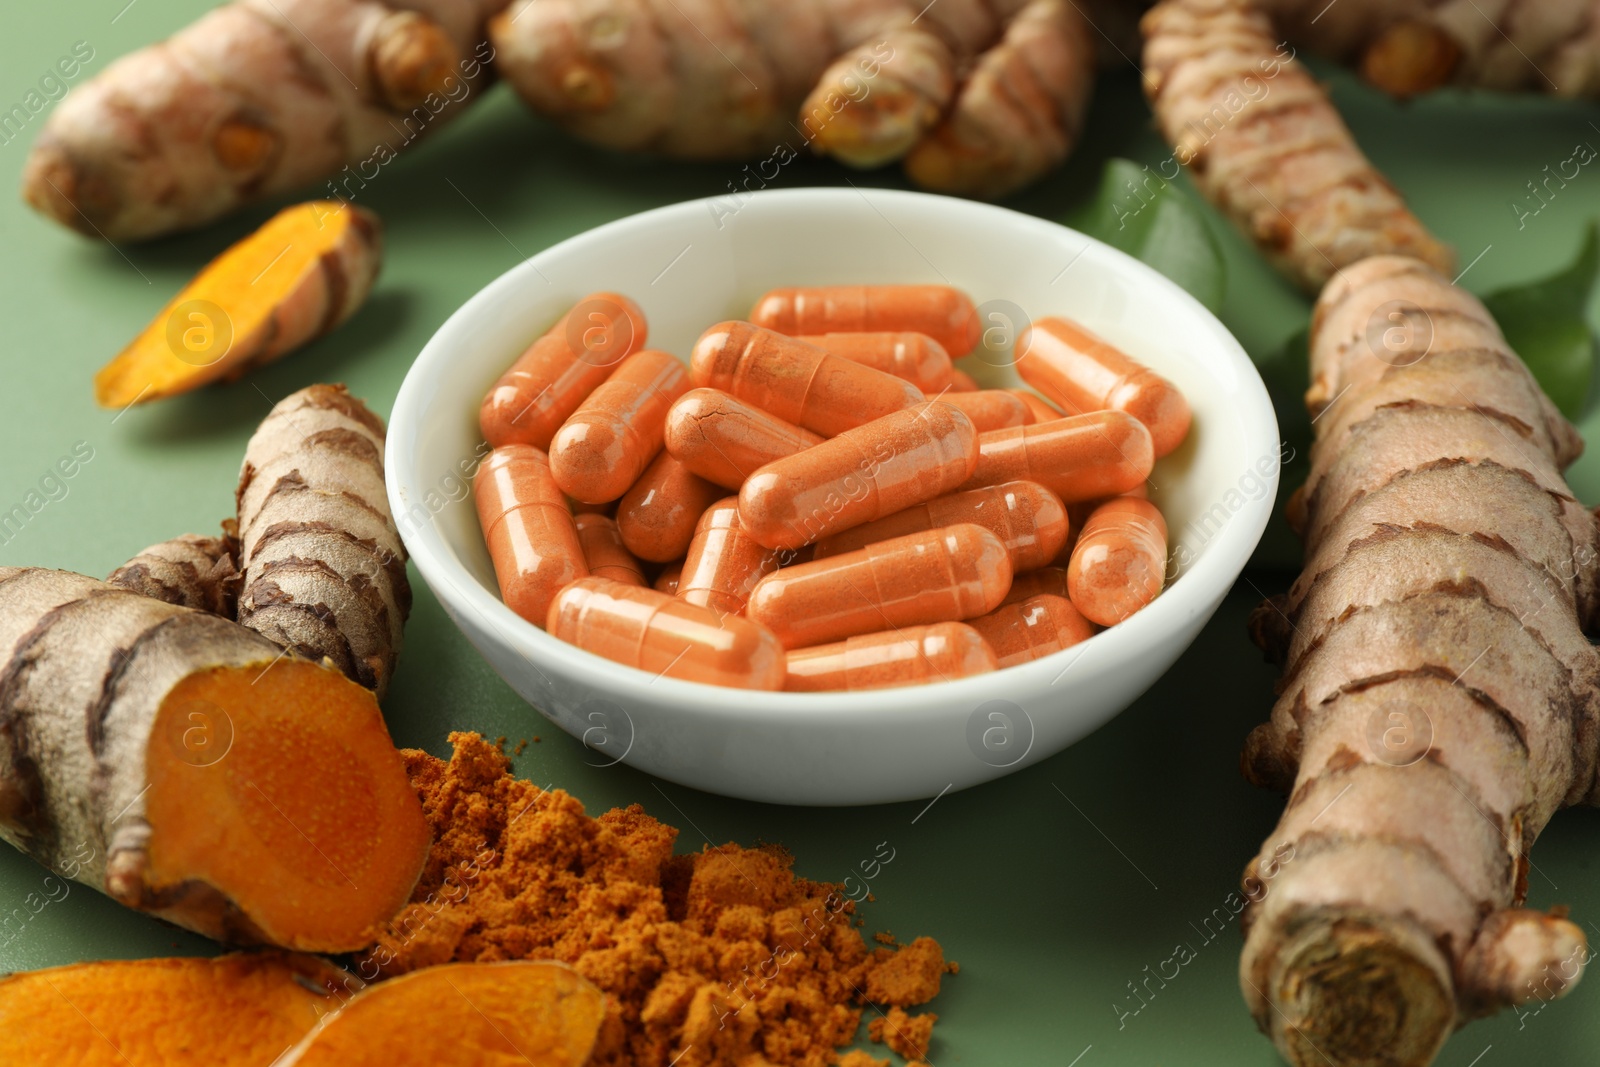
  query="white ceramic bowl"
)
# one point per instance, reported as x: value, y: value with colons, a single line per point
x: 696, y: 263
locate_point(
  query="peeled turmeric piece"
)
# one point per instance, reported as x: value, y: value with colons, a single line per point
x: 238, y: 1010
x: 535, y: 1013
x: 1439, y: 699
x: 305, y: 271
x: 190, y: 768
x: 1263, y: 142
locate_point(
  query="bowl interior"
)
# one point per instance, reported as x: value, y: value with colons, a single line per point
x: 696, y: 263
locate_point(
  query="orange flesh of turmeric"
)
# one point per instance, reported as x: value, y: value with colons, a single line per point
x: 288, y: 282
x: 299, y: 813
x: 513, y: 1013
x: 234, y: 1011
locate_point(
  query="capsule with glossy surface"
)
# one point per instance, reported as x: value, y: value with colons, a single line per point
x: 615, y: 434
x: 531, y: 536
x: 962, y: 382
x: 1029, y: 519
x: 1120, y: 561
x: 723, y: 564
x: 658, y: 512
x: 797, y: 382
x: 1083, y: 372
x: 916, y: 655
x: 915, y: 357
x: 989, y: 409
x: 560, y: 369
x: 944, y: 314
x: 1052, y: 580
x: 944, y: 575
x: 667, y: 581
x: 724, y: 440
x: 666, y: 636
x: 1080, y: 457
x: 1030, y: 629
x: 603, y: 551
x: 863, y: 474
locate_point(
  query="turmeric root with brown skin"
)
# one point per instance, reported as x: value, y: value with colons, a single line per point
x: 308, y: 269
x: 1406, y: 47
x: 1439, y: 699
x: 238, y: 1010
x: 865, y: 81
x: 255, y: 99
x: 534, y: 1012
x: 189, y: 570
x: 324, y: 569
x: 1264, y: 143
x: 190, y: 768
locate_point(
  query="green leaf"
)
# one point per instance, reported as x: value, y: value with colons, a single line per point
x: 1546, y: 322
x: 1138, y: 212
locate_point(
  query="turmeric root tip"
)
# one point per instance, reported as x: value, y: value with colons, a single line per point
x: 535, y: 1012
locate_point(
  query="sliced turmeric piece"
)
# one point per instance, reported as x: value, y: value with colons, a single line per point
x: 193, y: 769
x: 301, y: 274
x: 535, y: 1013
x: 239, y: 1010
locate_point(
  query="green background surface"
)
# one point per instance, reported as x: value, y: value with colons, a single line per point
x: 1055, y: 887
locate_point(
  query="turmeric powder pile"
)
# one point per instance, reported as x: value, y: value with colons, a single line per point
x: 712, y: 959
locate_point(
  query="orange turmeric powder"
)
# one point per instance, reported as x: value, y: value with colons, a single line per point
x: 710, y: 959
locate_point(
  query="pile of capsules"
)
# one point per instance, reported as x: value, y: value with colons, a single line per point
x: 831, y: 504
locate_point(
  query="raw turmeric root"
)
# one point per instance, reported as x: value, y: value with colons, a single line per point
x: 1406, y: 47
x: 324, y: 569
x: 865, y: 81
x: 301, y: 274
x: 1265, y: 144
x: 188, y: 767
x: 255, y: 99
x: 1439, y: 699
x: 239, y: 1010
x: 539, y: 1013
x: 190, y: 570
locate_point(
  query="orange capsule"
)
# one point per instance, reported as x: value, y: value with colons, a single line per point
x: 863, y: 474
x: 578, y: 507
x: 943, y: 313
x: 797, y: 382
x: 915, y: 655
x: 666, y: 636
x: 944, y: 575
x: 530, y: 533
x: 667, y: 581
x: 1052, y: 580
x: 724, y: 440
x: 1078, y: 458
x: 1028, y: 518
x: 1081, y: 372
x: 658, y: 512
x: 989, y: 409
x: 1041, y: 409
x: 1031, y: 629
x: 723, y: 564
x: 560, y: 369
x: 962, y: 382
x: 609, y: 441
x: 1120, y: 561
x: 604, y: 552
x: 915, y: 357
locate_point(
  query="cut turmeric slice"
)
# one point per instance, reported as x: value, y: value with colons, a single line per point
x: 193, y: 769
x: 301, y: 274
x: 239, y: 1010
x: 535, y: 1013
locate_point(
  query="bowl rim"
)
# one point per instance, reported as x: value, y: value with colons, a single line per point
x: 1196, y: 590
